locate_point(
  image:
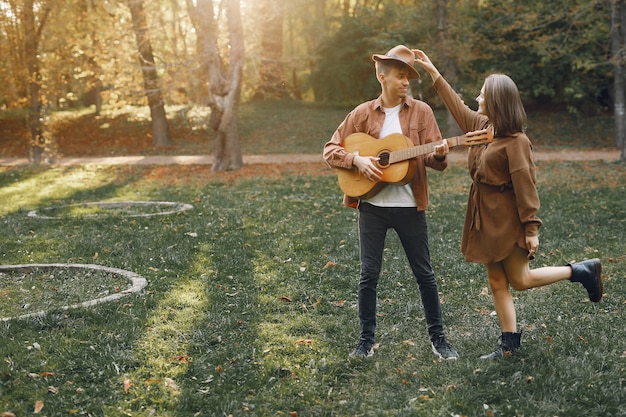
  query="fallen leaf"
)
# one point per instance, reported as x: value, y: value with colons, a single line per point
x: 425, y: 397
x: 409, y: 342
x: 294, y: 414
x: 329, y: 264
x: 450, y: 388
x: 171, y: 384
x: 53, y: 390
x: 340, y: 303
x: 38, y: 407
x: 529, y: 379
x: 304, y: 342
x: 484, y: 291
x: 219, y: 369
x: 7, y: 414
x: 46, y: 374
x: 284, y: 298
x: 127, y: 385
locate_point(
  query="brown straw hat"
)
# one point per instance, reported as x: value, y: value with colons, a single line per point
x: 401, y: 54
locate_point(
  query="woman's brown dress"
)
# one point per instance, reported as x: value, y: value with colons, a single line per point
x: 503, y: 200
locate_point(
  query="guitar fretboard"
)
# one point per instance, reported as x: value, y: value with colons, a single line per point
x: 415, y: 151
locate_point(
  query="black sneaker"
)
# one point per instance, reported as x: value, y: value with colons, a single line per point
x: 363, y: 350
x: 443, y: 349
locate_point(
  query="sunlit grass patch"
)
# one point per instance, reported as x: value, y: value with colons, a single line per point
x: 163, y: 349
x: 27, y: 188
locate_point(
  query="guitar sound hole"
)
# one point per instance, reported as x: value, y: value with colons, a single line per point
x: 384, y: 159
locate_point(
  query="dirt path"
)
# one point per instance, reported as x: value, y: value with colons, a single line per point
x: 455, y: 157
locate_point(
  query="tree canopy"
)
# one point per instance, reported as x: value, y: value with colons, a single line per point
x: 556, y: 51
x: 313, y: 50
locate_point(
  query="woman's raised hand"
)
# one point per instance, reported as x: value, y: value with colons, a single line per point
x: 422, y: 59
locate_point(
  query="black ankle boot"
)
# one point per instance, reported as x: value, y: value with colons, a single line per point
x: 589, y: 274
x: 509, y: 343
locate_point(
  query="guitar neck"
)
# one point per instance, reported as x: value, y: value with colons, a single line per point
x: 415, y: 151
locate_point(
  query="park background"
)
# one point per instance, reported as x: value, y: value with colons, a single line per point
x: 250, y: 307
x: 199, y: 62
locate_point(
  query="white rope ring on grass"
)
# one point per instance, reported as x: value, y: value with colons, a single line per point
x: 136, y: 284
x: 119, y: 205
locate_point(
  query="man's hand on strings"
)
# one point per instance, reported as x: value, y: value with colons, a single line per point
x: 367, y: 167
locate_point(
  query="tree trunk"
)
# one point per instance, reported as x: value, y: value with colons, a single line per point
x: 39, y: 151
x: 224, y: 81
x: 160, y: 128
x: 272, y: 72
x: 200, y: 15
x: 94, y: 83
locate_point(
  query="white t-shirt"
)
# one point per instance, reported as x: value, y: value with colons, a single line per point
x: 393, y: 195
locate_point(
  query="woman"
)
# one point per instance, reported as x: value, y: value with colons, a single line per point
x: 501, y: 228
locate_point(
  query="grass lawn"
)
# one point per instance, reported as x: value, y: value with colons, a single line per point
x: 250, y: 308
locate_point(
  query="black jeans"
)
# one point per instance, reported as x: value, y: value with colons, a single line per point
x: 411, y: 227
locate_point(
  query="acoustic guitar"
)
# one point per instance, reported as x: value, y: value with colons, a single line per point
x: 396, y: 159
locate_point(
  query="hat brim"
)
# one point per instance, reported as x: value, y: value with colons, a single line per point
x: 413, y: 74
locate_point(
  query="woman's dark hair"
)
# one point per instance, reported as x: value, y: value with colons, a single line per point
x: 503, y: 105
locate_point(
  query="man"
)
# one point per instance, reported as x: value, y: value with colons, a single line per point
x: 396, y: 206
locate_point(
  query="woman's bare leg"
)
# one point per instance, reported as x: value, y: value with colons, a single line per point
x: 503, y: 302
x: 521, y: 277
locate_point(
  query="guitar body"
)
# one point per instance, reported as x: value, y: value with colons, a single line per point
x: 351, y: 181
